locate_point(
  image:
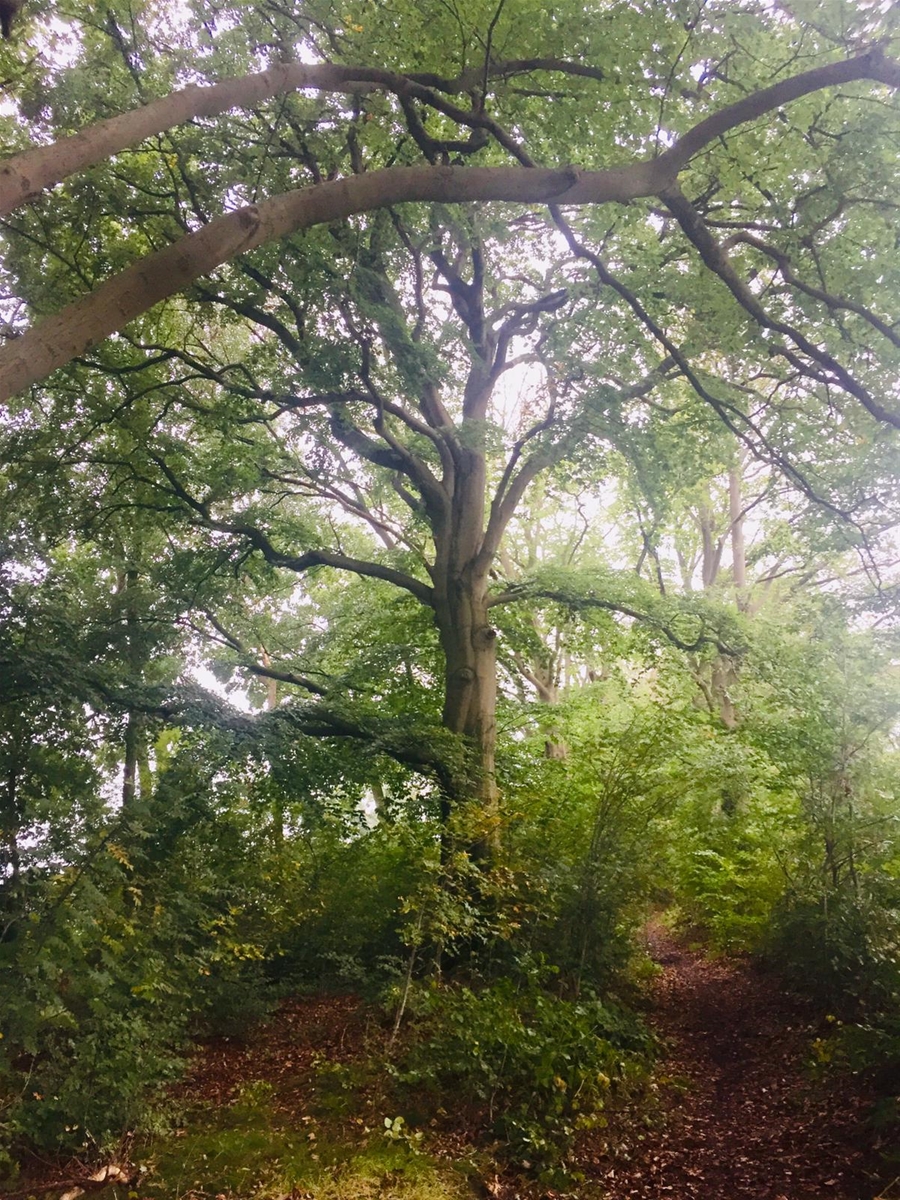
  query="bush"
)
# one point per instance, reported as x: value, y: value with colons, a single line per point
x: 96, y: 1081
x: 112, y: 969
x: 728, y: 871
x: 346, y: 908
x: 843, y: 948
x: 542, y: 1068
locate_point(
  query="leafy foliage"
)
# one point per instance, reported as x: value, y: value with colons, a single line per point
x: 414, y: 599
x: 543, y: 1067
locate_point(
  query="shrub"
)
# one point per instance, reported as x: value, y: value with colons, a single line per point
x: 843, y: 947
x: 542, y: 1068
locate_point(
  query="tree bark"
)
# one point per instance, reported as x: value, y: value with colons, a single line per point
x: 271, y: 704
x: 469, y: 643
x: 57, y: 340
x: 10, y: 857
x: 130, y: 768
x: 738, y: 548
x: 25, y: 175
x: 136, y: 764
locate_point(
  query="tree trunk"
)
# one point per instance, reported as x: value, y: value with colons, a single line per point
x: 271, y: 703
x: 135, y: 750
x: 544, y: 676
x: 130, y: 770
x: 738, y: 549
x: 722, y: 679
x: 547, y: 683
x: 470, y: 702
x: 712, y: 544
x: 11, y: 899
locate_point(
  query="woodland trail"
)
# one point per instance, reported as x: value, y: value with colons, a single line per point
x: 743, y: 1118
x: 740, y: 1117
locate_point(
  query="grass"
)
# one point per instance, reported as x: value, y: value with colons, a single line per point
x: 248, y: 1150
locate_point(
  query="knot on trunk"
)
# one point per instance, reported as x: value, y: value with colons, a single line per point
x: 464, y: 675
x: 483, y: 637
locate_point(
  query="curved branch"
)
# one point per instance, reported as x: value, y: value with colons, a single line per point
x: 831, y: 301
x: 298, y: 563
x: 349, y: 435
x: 27, y: 174
x: 717, y: 261
x: 872, y: 65
x: 82, y: 324
x: 301, y: 681
x: 357, y: 566
x: 703, y: 638
x: 260, y: 669
x: 503, y: 507
x: 59, y: 339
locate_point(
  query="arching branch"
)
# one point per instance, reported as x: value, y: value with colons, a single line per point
x: 26, y: 175
x: 58, y: 339
x: 81, y: 325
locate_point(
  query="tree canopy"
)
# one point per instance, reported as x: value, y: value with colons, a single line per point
x: 441, y: 433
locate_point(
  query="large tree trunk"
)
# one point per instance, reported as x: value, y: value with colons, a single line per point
x: 470, y: 702
x: 469, y: 642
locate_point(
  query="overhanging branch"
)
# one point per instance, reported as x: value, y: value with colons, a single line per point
x: 716, y: 259
x: 81, y: 325
x: 298, y: 563
x: 588, y: 600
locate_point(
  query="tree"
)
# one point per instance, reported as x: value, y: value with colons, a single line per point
x: 344, y: 341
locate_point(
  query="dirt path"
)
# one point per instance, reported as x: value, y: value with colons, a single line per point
x: 740, y: 1116
x: 743, y: 1120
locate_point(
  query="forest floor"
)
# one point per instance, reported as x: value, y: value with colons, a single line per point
x: 742, y: 1115
x: 291, y: 1113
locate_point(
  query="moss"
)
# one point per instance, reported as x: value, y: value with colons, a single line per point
x: 248, y: 1149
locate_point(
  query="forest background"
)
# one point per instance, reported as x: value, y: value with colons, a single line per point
x: 449, y: 458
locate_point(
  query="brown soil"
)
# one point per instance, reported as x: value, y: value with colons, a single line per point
x: 743, y: 1117
x: 304, y: 1033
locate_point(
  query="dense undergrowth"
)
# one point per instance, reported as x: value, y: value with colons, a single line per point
x: 502, y: 995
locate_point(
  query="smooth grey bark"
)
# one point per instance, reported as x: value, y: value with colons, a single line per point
x: 25, y: 175
x: 57, y: 340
